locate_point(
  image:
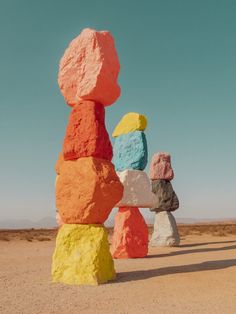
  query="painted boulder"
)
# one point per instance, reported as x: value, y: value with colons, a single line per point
x: 165, y: 231
x: 82, y: 255
x: 130, y: 237
x: 89, y: 69
x: 130, y: 151
x: 86, y: 190
x: 160, y: 167
x: 137, y: 189
x: 86, y: 134
x: 166, y: 198
x: 130, y: 122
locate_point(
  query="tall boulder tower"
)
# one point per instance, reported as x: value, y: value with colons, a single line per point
x: 87, y: 186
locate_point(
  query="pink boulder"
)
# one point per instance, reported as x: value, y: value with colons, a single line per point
x: 160, y: 167
x: 89, y: 69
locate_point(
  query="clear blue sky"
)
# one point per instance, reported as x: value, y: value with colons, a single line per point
x: 178, y: 65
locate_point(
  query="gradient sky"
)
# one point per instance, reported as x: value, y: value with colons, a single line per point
x: 178, y: 65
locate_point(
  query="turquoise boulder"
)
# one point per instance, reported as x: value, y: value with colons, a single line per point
x: 130, y: 151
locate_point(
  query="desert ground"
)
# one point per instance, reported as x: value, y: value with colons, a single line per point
x: 197, y: 277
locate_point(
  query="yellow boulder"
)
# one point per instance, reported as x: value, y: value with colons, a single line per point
x: 82, y: 255
x: 130, y: 122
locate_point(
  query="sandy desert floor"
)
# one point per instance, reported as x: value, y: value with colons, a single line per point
x: 197, y: 277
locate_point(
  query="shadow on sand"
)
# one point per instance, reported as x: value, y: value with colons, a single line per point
x: 145, y: 274
x: 207, y: 243
x: 203, y: 250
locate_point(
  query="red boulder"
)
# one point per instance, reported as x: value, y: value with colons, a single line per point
x: 86, y: 134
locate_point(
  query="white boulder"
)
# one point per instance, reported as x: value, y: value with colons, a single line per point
x: 165, y: 231
x: 137, y: 189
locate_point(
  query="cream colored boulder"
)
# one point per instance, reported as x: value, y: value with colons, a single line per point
x: 165, y: 231
x: 137, y: 189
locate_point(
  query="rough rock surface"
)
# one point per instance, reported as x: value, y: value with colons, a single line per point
x: 82, y: 255
x: 86, y: 134
x: 58, y: 164
x: 130, y: 122
x: 160, y: 167
x: 86, y: 190
x: 165, y: 232
x: 137, y: 189
x: 130, y: 237
x: 166, y: 199
x: 89, y: 69
x: 130, y: 151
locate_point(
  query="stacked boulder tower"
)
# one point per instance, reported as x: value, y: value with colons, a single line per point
x: 87, y: 186
x: 130, y: 237
x: 165, y: 232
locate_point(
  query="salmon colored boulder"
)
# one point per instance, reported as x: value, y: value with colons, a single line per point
x: 86, y: 190
x: 130, y: 237
x: 86, y: 134
x: 89, y: 69
x: 160, y: 167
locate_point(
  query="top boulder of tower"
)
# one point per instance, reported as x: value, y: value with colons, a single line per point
x: 130, y: 122
x: 89, y: 69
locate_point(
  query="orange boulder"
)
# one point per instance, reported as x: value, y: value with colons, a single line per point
x: 89, y: 69
x: 86, y: 134
x: 130, y: 237
x: 86, y: 190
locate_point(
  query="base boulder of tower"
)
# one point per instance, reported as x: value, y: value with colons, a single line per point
x: 82, y: 255
x: 165, y: 231
x: 130, y: 237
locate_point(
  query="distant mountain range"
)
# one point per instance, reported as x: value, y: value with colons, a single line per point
x: 50, y: 222
x: 46, y: 222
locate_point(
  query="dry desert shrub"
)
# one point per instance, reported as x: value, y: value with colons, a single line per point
x: 216, y: 229
x: 4, y: 238
x: 43, y: 239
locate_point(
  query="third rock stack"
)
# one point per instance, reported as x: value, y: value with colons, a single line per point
x: 165, y: 231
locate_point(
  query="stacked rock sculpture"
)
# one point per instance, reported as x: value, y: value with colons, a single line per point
x: 130, y: 237
x: 165, y: 232
x: 87, y: 186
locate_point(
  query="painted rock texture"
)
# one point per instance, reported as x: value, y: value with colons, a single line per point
x: 130, y: 122
x: 166, y: 199
x: 86, y: 134
x: 165, y: 232
x: 89, y: 69
x: 160, y: 167
x: 137, y: 189
x: 86, y: 190
x: 58, y: 164
x: 130, y: 151
x: 130, y: 237
x: 82, y: 255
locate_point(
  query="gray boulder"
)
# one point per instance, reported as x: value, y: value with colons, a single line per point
x: 166, y: 199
